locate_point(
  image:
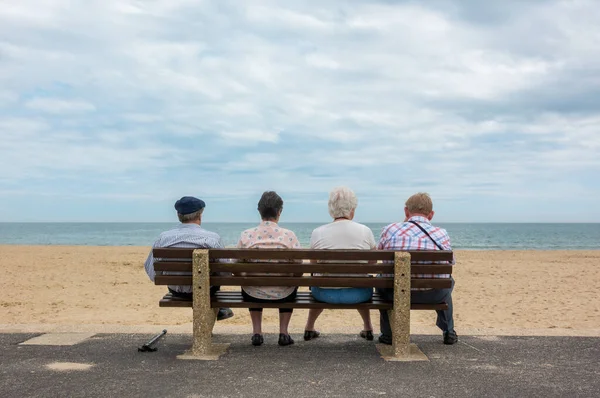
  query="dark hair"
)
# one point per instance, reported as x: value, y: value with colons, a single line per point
x: 269, y: 205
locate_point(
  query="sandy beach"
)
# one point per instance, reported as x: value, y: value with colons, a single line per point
x: 83, y: 287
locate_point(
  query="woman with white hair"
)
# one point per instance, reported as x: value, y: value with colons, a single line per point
x: 342, y: 233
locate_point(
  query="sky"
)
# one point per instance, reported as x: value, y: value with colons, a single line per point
x: 111, y: 110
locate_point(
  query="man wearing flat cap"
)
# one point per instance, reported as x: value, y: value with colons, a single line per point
x: 189, y: 234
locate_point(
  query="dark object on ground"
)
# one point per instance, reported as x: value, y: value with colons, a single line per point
x: 257, y: 339
x: 311, y: 334
x: 450, y: 337
x: 285, y: 339
x: 149, y: 346
x: 383, y: 339
x: 224, y: 313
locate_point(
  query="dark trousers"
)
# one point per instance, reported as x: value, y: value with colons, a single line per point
x: 286, y: 299
x: 445, y: 320
x: 190, y: 296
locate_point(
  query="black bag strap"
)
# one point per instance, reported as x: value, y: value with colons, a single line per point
x: 427, y: 233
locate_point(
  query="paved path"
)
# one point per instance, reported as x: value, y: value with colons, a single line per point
x: 108, y: 365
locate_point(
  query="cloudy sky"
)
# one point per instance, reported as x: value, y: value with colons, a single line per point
x: 110, y: 110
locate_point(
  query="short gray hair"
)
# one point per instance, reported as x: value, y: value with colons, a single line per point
x: 190, y: 217
x: 341, y: 202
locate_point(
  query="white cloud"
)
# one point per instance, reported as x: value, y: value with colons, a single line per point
x: 372, y: 94
x: 57, y: 105
x: 250, y: 136
x: 8, y: 97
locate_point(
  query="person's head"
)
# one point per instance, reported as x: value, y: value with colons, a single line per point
x: 419, y: 204
x: 189, y: 210
x: 342, y: 203
x: 270, y: 206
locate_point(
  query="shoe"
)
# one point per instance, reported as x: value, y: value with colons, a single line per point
x: 367, y: 334
x: 450, y: 337
x: 311, y: 334
x: 383, y: 339
x: 285, y: 339
x: 257, y: 339
x: 224, y: 313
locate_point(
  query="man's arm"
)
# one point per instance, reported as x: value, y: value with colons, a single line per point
x: 450, y: 248
x: 371, y: 242
x: 149, y: 265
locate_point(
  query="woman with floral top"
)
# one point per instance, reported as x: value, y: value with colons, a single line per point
x: 269, y: 235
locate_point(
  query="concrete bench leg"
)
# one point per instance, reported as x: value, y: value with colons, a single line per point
x: 204, y: 316
x: 401, y: 349
x: 400, y: 319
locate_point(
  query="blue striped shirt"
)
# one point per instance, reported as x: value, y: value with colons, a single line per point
x: 187, y: 235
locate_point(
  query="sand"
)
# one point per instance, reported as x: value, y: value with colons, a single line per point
x: 497, y: 292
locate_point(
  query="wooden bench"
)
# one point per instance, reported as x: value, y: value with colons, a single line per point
x: 336, y: 264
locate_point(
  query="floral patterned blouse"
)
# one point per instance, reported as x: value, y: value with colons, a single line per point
x: 268, y: 235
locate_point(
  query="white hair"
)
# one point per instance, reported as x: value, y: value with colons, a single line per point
x: 341, y: 202
x: 183, y: 218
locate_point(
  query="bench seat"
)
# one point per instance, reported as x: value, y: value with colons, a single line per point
x: 203, y: 268
x: 234, y: 299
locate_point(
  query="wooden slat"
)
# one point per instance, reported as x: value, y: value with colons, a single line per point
x: 303, y: 300
x: 320, y: 281
x: 279, y: 281
x: 302, y: 305
x: 304, y: 254
x: 173, y: 266
x: 172, y: 280
x: 172, y: 252
x: 431, y: 269
x: 237, y: 295
x: 418, y: 307
x: 431, y: 283
x: 430, y: 255
x: 305, y: 268
x: 174, y: 303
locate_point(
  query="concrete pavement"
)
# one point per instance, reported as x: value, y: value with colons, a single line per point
x: 108, y: 365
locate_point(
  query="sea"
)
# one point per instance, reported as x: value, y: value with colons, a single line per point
x: 466, y: 236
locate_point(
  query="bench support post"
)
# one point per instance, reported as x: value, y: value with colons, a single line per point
x: 400, y: 314
x: 204, y: 316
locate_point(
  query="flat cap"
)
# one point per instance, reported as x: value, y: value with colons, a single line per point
x: 189, y: 204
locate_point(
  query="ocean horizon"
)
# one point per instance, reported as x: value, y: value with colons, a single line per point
x: 466, y: 236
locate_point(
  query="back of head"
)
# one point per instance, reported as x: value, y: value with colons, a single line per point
x: 342, y: 201
x: 270, y: 205
x: 419, y: 203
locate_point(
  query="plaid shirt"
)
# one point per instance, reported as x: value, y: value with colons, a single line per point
x: 407, y: 236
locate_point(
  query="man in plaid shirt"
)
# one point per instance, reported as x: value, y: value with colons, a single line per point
x: 417, y: 233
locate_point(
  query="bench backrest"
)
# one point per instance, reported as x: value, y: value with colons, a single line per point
x: 336, y: 264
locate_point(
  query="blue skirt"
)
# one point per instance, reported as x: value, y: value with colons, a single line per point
x: 346, y: 295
